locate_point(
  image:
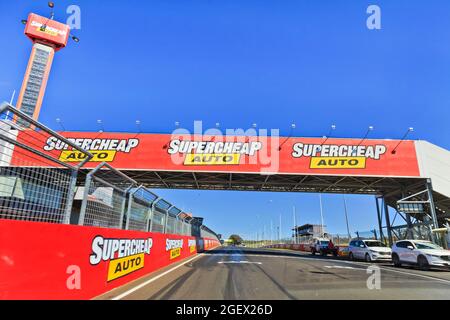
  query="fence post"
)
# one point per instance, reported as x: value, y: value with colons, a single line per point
x: 149, y: 218
x: 87, y: 185
x: 130, y: 200
x: 122, y: 211
x: 165, y: 222
x: 152, y: 208
x: 70, y: 196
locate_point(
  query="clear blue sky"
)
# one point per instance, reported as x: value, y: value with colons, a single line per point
x: 243, y: 62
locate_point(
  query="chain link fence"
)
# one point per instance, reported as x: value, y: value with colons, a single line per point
x: 34, y: 184
x: 105, y: 196
x: 205, y: 232
x: 139, y: 212
x: 160, y: 216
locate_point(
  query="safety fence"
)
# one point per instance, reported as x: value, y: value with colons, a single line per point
x: 34, y: 184
x: 205, y: 232
x: 38, y: 183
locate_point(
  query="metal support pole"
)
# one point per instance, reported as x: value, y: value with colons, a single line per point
x: 167, y: 219
x: 87, y: 185
x: 153, y: 213
x: 295, y: 224
x: 380, y: 219
x: 434, y: 236
x: 388, y: 223
x: 150, y: 218
x: 346, y: 218
x: 70, y: 196
x: 122, y: 208
x: 409, y: 233
x: 321, y: 215
x: 432, y: 206
x: 130, y: 200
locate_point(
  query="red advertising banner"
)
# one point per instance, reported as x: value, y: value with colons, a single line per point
x: 47, y: 30
x: 314, y: 156
x: 54, y: 261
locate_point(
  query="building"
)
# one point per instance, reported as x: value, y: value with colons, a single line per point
x: 306, y: 232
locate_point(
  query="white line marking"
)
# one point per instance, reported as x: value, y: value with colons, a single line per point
x: 404, y: 272
x: 300, y: 257
x: 342, y: 267
x: 128, y: 292
x: 244, y: 262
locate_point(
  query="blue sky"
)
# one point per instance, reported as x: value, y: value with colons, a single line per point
x: 243, y: 62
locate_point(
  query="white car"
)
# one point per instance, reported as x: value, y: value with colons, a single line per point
x: 368, y: 250
x: 424, y: 254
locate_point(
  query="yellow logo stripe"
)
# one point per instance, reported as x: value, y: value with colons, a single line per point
x: 196, y: 159
x: 123, y: 266
x: 77, y: 156
x: 175, y: 253
x: 338, y: 163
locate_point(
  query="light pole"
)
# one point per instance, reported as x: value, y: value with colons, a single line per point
x: 280, y: 228
x: 333, y: 127
x: 346, y: 218
x: 271, y: 232
x: 411, y: 129
x: 295, y: 224
x: 321, y: 215
x: 293, y: 126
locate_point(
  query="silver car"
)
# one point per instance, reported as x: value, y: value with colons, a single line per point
x: 369, y: 250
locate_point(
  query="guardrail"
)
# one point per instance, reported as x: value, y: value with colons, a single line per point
x: 37, y: 185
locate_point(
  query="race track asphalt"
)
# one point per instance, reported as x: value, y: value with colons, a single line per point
x: 238, y: 273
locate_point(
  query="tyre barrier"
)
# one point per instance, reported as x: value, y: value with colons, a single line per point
x: 43, y: 261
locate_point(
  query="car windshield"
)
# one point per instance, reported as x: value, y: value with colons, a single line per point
x: 375, y: 244
x: 324, y: 243
x: 421, y: 245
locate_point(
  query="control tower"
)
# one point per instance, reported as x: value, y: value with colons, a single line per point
x: 48, y: 36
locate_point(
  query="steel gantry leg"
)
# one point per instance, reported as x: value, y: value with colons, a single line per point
x: 432, y: 206
x: 410, y: 232
x: 434, y: 236
x: 380, y: 219
x: 388, y: 222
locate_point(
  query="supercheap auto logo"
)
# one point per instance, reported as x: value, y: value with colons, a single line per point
x: 329, y: 156
x: 103, y: 150
x: 48, y: 29
x: 207, y: 153
x: 124, y: 255
x: 174, y: 247
x: 192, y: 245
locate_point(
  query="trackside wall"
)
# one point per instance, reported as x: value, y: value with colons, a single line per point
x: 57, y: 261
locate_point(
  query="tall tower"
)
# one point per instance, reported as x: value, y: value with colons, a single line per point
x: 48, y: 36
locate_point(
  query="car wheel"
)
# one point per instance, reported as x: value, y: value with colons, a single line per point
x: 368, y: 258
x: 350, y: 256
x: 396, y: 260
x: 423, y: 263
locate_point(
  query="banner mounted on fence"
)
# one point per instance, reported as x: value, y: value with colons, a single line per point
x: 163, y: 152
x: 55, y: 261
